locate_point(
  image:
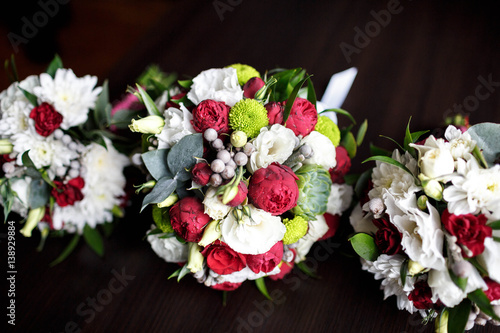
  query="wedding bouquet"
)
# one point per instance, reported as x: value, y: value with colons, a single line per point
x: 60, y: 170
x: 429, y: 226
x: 241, y: 172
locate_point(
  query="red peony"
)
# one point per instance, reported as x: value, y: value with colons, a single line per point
x: 274, y: 113
x: 469, y: 229
x: 303, y: 117
x: 69, y: 193
x: 493, y: 291
x: 333, y: 222
x: 226, y: 286
x: 266, y: 262
x: 343, y: 165
x: 201, y: 173
x: 47, y: 119
x: 222, y: 259
x: 285, y: 268
x: 241, y: 196
x: 421, y: 296
x: 188, y: 219
x: 388, y: 237
x: 252, y: 86
x: 274, y: 189
x: 211, y: 114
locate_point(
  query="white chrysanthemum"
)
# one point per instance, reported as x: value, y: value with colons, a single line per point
x: 317, y: 229
x: 388, y: 269
x: 324, y: 153
x: 214, y: 206
x: 169, y: 249
x: 362, y: 222
x: 218, y: 84
x: 271, y: 145
x: 395, y: 180
x: 444, y: 289
x: 490, y: 258
x: 177, y: 125
x: 461, y: 144
x: 340, y: 198
x: 474, y: 190
x: 252, y: 235
x: 71, y: 96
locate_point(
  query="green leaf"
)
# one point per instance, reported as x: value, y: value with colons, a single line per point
x: 154, y: 232
x: 495, y: 225
x: 481, y: 300
x: 182, y: 155
x: 39, y: 193
x: 185, y: 83
x: 54, y: 65
x: 391, y: 139
x: 441, y: 323
x: 342, y: 112
x: 180, y: 273
x: 374, y: 150
x: 459, y: 282
x: 29, y: 96
x: 362, y: 183
x: 148, y: 102
x: 391, y: 161
x: 365, y: 246
x: 496, y: 239
x: 311, y: 94
x: 162, y: 190
x: 362, y: 132
x: 477, y: 265
x: 404, y: 271
x: 162, y: 219
x: 12, y: 71
x: 102, y: 111
x: 93, y: 239
x: 67, y: 251
x: 306, y: 270
x: 291, y: 99
x: 408, y: 139
x: 261, y: 285
x: 156, y: 163
x: 122, y: 118
x: 349, y: 143
x: 8, y: 197
x: 416, y: 135
x: 487, y: 137
x: 457, y: 317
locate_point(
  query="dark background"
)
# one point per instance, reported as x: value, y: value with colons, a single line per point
x: 426, y: 59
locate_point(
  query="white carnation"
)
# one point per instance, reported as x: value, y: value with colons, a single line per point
x: 323, y: 150
x: 218, y: 84
x: 169, y: 249
x: 177, y: 125
x: 340, y: 198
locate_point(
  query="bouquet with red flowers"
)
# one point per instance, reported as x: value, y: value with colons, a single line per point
x: 241, y: 170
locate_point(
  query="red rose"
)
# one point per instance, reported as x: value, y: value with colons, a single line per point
x: 252, y: 86
x: 303, y: 117
x: 201, y: 173
x: 285, y: 268
x: 421, y: 296
x: 226, y: 286
x: 47, y: 119
x: 388, y: 237
x: 266, y: 262
x: 274, y: 189
x: 493, y: 291
x: 69, y: 193
x: 333, y: 222
x: 211, y: 114
x: 241, y: 196
x: 222, y: 259
x: 469, y: 229
x: 343, y: 165
x: 274, y: 113
x: 188, y: 219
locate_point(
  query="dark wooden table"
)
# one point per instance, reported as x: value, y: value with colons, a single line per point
x: 421, y: 59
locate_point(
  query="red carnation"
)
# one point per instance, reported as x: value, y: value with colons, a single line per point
x: 303, y: 117
x: 333, y: 222
x: 388, y: 237
x: 211, y: 114
x: 469, y: 229
x: 222, y: 259
x: 274, y: 189
x: 201, y: 173
x: 274, y: 113
x: 343, y: 165
x: 47, y: 119
x: 226, y: 286
x: 266, y: 262
x: 69, y: 193
x: 421, y: 296
x: 188, y: 219
x: 252, y: 86
x: 241, y: 196
x: 493, y: 291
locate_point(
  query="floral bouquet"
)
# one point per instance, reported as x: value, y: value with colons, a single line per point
x: 60, y: 170
x: 245, y: 175
x: 429, y: 226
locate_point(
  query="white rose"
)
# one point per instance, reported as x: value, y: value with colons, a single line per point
x: 218, y: 84
x: 436, y: 163
x: 169, y: 249
x: 340, y: 198
x: 317, y: 229
x: 271, y: 145
x: 255, y: 235
x: 177, y: 125
x: 214, y: 206
x: 323, y: 150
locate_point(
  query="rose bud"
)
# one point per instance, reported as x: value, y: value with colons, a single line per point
x: 148, y: 125
x: 432, y: 187
x: 201, y: 173
x: 266, y: 262
x: 211, y: 114
x: 195, y: 258
x: 5, y: 147
x: 240, y: 196
x: 274, y: 189
x: 338, y: 172
x: 303, y: 117
x: 274, y: 113
x: 252, y: 86
x: 169, y: 201
x: 188, y: 219
x: 222, y: 259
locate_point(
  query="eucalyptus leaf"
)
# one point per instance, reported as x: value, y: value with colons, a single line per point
x: 67, y: 250
x: 349, y: 143
x: 162, y: 190
x: 39, y: 193
x: 54, y: 65
x: 457, y: 317
x: 261, y: 285
x: 93, y: 239
x: 148, y: 102
x: 156, y: 163
x: 487, y: 137
x: 481, y: 300
x: 365, y: 246
x: 362, y: 132
x: 182, y: 155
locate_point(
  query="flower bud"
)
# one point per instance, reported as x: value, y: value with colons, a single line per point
x: 5, y: 147
x: 169, y: 201
x: 149, y: 184
x: 462, y: 268
x: 252, y: 86
x: 437, y: 162
x: 432, y: 188
x: 238, y: 138
x: 229, y: 194
x: 274, y: 113
x: 195, y: 258
x: 422, y: 202
x: 415, y: 268
x: 212, y: 233
x: 148, y: 125
x: 34, y: 216
x: 376, y: 206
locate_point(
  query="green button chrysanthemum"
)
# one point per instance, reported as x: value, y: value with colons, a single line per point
x: 296, y: 228
x: 244, y: 72
x: 328, y: 128
x: 248, y: 116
